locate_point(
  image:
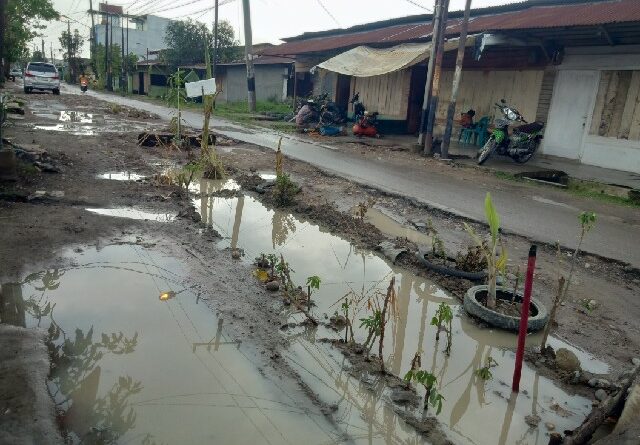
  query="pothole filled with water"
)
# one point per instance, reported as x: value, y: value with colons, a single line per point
x: 121, y: 176
x: 475, y: 411
x: 130, y: 366
x: 131, y: 213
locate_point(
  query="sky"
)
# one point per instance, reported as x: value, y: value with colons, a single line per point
x: 271, y: 19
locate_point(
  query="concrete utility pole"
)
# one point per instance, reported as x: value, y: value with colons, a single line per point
x: 122, y: 77
x: 53, y: 60
x: 435, y: 88
x: 92, y: 42
x: 435, y: 37
x: 215, y: 41
x: 68, y: 50
x: 248, y: 55
x: 44, y: 55
x: 3, y: 28
x: 107, y: 71
x: 462, y: 44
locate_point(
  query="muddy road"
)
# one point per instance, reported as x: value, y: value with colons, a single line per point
x: 539, y: 213
x: 158, y: 331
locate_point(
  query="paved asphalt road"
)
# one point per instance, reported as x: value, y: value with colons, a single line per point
x: 535, y: 212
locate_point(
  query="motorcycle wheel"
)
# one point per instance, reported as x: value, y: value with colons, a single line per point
x: 486, y: 151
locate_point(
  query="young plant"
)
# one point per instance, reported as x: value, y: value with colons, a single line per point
x: 443, y: 316
x: 485, y: 372
x: 587, y: 221
x: 285, y: 190
x: 429, y: 381
x: 490, y: 250
x: 345, y: 310
x: 437, y: 245
x: 284, y: 271
x: 313, y: 282
x: 390, y: 297
x: 373, y: 324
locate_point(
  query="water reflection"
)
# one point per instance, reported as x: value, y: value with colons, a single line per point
x: 471, y: 403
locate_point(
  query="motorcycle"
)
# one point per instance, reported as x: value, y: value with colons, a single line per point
x: 84, y: 85
x: 520, y: 145
x: 366, y: 121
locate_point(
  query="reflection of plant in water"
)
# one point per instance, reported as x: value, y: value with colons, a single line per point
x: 74, y: 366
x: 39, y: 308
x: 485, y: 372
x: 50, y: 279
x: 283, y: 224
x: 443, y: 316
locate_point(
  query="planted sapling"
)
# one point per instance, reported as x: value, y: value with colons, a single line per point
x: 313, y: 282
x: 428, y: 380
x: 443, y: 316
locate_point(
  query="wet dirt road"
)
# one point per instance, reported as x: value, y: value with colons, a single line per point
x: 540, y: 214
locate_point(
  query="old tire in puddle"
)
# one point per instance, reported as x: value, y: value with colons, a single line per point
x: 444, y: 270
x: 538, y: 314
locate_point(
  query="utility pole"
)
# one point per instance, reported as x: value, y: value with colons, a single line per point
x: 3, y: 29
x: 435, y: 88
x: 248, y: 55
x: 44, y: 55
x: 215, y: 41
x: 53, y: 60
x: 435, y: 37
x: 106, y: 54
x: 92, y: 42
x: 68, y: 50
x: 122, y: 77
x: 462, y: 44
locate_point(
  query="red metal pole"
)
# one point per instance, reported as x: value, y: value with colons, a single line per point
x: 524, y: 318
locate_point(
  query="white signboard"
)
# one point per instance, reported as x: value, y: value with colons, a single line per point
x: 200, y: 88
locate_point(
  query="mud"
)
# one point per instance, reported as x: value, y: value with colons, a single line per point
x: 117, y: 268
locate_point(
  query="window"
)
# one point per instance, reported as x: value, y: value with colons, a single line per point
x: 41, y: 67
x: 617, y: 110
x: 159, y: 80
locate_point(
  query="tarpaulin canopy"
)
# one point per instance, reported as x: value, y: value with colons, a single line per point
x: 364, y: 61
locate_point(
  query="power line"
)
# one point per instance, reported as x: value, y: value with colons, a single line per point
x: 191, y: 2
x: 418, y: 5
x: 329, y: 13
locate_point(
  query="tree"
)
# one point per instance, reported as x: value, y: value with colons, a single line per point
x: 71, y: 45
x: 116, y: 61
x: 22, y: 19
x: 37, y: 56
x: 187, y: 40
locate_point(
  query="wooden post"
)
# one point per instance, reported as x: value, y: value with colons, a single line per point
x: 444, y: 149
x: 524, y: 318
x: 435, y: 36
x: 215, y: 41
x: 435, y: 88
x: 248, y: 55
x: 295, y: 86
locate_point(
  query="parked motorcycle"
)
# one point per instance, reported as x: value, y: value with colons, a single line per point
x: 366, y: 121
x: 520, y: 145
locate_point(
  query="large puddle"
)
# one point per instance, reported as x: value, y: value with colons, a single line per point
x: 80, y: 123
x: 475, y: 412
x: 143, y: 360
x: 132, y: 368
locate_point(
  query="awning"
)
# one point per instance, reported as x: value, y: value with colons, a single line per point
x: 364, y: 61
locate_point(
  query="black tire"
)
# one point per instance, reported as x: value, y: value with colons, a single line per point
x: 27, y: 90
x: 443, y: 270
x: 473, y: 307
x: 56, y: 92
x: 486, y: 150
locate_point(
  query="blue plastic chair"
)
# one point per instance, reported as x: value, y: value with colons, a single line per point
x: 480, y: 131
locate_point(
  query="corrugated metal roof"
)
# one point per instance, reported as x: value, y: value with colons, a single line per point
x: 530, y: 17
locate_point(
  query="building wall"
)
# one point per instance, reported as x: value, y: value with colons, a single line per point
x: 387, y: 94
x: 609, y: 121
x: 480, y: 90
x: 149, y: 37
x: 269, y: 83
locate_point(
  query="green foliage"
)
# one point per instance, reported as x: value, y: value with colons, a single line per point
x: 284, y: 190
x: 185, y: 176
x: 187, y: 40
x: 494, y: 265
x: 71, y: 44
x: 437, y: 245
x: 444, y: 316
x: 587, y: 221
x: 176, y: 90
x: 314, y: 282
x: 372, y: 323
x: 116, y: 62
x: 429, y: 381
x: 23, y: 23
x: 485, y: 372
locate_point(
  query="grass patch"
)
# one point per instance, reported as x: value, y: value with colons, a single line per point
x: 507, y: 176
x: 596, y: 192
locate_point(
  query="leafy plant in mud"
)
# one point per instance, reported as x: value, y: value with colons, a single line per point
x: 184, y: 177
x: 485, y: 372
x: 472, y: 261
x: 587, y: 222
x: 495, y: 263
x: 284, y: 190
x: 345, y: 311
x: 284, y: 272
x: 373, y: 325
x: 389, y: 298
x: 313, y: 282
x: 428, y: 381
x: 363, y: 207
x: 442, y: 320
x: 437, y: 245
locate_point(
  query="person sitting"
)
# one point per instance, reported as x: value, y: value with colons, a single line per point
x: 466, y: 119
